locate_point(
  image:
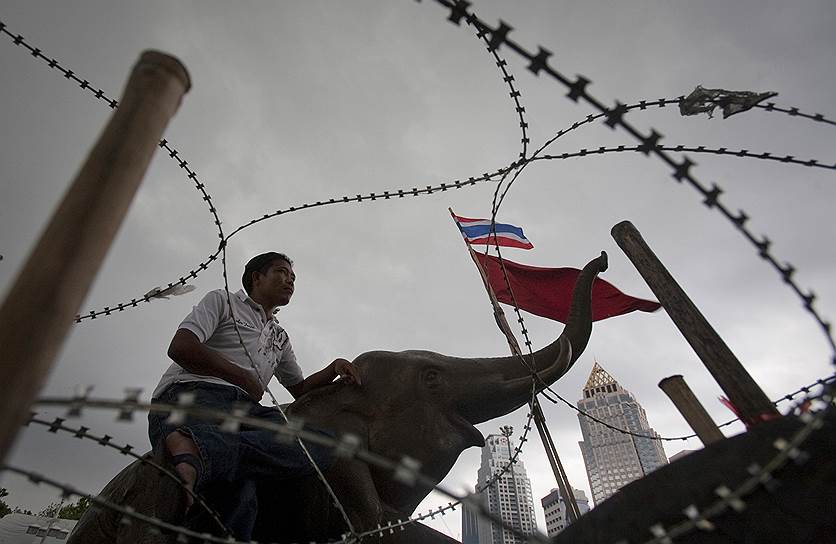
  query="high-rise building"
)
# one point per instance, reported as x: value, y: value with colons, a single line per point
x: 509, y: 497
x: 470, y: 524
x: 614, y: 459
x: 554, y: 506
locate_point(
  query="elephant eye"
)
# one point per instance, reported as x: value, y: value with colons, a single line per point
x: 431, y: 377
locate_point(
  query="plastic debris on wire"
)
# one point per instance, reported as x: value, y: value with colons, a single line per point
x: 702, y: 100
x: 173, y: 290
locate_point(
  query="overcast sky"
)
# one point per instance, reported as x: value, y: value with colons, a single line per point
x: 296, y: 102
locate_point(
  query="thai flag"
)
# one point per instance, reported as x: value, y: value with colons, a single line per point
x: 478, y: 231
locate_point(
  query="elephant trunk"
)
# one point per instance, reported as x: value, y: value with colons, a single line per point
x: 504, y: 384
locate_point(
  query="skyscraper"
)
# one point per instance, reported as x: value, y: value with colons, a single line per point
x: 470, y: 524
x: 514, y: 508
x: 614, y: 459
x: 554, y: 506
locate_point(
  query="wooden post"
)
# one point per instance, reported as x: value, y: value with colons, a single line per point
x: 691, y: 409
x: 748, y: 398
x: 51, y: 286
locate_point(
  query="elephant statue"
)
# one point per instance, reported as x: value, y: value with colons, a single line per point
x: 412, y: 403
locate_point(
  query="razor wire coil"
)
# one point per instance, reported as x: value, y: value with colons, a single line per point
x: 495, y: 38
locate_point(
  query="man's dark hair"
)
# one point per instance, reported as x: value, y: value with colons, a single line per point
x: 261, y: 263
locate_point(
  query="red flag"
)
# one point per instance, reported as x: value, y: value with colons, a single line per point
x: 728, y: 404
x: 547, y: 292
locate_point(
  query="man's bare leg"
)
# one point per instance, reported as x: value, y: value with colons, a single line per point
x: 178, y: 443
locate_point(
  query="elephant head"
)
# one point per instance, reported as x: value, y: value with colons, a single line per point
x: 425, y: 405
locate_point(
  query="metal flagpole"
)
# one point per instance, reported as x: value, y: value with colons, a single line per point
x: 539, y: 420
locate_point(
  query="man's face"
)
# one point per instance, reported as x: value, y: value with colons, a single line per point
x: 275, y: 286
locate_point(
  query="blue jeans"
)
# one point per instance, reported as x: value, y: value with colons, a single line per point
x: 237, y: 460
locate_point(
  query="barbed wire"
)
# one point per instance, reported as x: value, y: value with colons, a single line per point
x: 174, y: 154
x: 493, y: 44
x: 516, y: 167
x: 662, y: 103
x: 514, y: 93
x: 106, y: 441
x: 761, y: 478
x: 373, y: 196
x: 641, y: 105
x: 275, y: 402
x: 539, y: 62
x: 458, y: 10
x: 659, y: 103
x: 406, y: 471
x: 794, y: 112
x: 495, y: 208
x: 495, y: 477
x: 127, y: 406
x: 497, y: 38
x: 457, y: 184
x: 127, y: 514
x: 789, y: 396
x: 650, y: 144
x: 742, y: 153
x: 99, y: 94
x: 126, y: 449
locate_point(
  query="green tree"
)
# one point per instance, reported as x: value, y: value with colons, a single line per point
x: 75, y: 510
x: 50, y: 510
x: 5, y: 509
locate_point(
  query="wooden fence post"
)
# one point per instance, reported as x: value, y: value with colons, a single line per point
x: 751, y: 402
x: 52, y: 284
x: 691, y: 409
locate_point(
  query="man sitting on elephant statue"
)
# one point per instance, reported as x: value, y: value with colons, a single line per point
x: 413, y: 404
x: 222, y: 371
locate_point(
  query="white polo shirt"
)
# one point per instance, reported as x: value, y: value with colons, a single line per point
x: 266, y: 341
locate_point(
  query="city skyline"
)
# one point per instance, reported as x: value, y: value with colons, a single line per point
x: 612, y: 459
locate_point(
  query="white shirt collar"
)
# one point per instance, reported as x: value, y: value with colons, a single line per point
x: 246, y: 299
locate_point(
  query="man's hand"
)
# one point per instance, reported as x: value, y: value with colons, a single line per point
x: 339, y: 367
x: 250, y: 384
x: 347, y: 371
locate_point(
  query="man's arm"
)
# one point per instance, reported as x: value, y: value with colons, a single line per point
x: 340, y: 367
x: 188, y: 352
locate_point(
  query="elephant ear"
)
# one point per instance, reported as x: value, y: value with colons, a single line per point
x: 424, y: 432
